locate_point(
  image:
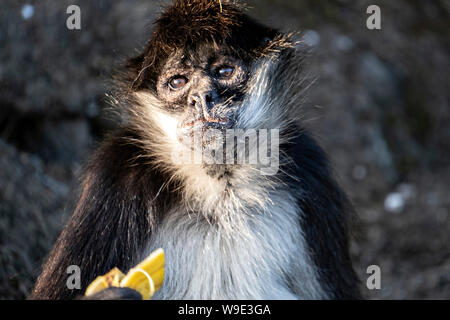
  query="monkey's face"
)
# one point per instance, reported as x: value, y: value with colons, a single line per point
x: 200, y: 94
x: 202, y: 90
x: 207, y: 104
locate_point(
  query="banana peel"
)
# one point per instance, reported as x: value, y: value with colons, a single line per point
x: 146, y: 278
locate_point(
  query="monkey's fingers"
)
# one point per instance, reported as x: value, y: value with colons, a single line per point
x: 114, y: 293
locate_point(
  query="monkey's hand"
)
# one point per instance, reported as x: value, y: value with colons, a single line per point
x: 114, y: 293
x: 144, y: 279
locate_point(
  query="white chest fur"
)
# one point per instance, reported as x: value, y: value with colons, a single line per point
x: 256, y: 255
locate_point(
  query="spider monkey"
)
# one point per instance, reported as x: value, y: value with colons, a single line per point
x: 229, y: 229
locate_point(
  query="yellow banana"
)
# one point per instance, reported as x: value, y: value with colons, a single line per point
x: 146, y: 278
x: 111, y: 279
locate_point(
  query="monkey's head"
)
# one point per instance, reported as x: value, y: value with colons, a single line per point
x: 209, y: 66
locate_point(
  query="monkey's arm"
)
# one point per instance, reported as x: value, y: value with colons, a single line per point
x: 111, y: 223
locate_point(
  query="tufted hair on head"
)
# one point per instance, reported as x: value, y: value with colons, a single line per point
x: 188, y: 24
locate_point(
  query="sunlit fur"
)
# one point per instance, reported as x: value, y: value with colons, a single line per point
x: 237, y: 237
x: 243, y: 235
x: 259, y: 253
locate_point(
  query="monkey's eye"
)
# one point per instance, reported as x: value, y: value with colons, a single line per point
x: 225, y: 72
x: 177, y: 82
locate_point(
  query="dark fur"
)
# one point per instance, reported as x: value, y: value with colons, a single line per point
x: 122, y: 200
x: 115, y: 293
x: 113, y: 219
x: 327, y: 217
x: 213, y: 24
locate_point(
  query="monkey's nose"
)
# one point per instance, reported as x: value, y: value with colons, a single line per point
x: 203, y: 102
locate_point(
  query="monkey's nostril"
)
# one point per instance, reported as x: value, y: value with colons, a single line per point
x: 201, y: 101
x: 192, y: 101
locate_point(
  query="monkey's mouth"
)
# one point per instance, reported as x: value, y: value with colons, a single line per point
x: 205, y: 123
x: 204, y: 133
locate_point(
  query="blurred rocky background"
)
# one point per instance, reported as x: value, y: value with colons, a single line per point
x: 380, y: 107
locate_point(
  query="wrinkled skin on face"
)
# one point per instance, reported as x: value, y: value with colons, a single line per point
x: 204, y: 88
